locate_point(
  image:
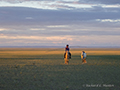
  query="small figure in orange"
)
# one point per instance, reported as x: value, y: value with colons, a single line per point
x: 83, y: 57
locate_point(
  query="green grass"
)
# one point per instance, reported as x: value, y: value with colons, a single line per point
x: 48, y: 72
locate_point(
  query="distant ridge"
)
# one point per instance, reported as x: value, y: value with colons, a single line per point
x: 59, y: 46
x: 31, y: 46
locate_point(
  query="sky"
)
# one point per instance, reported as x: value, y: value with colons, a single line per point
x: 60, y: 22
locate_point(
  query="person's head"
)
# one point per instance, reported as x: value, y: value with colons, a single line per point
x: 67, y: 45
x: 83, y: 51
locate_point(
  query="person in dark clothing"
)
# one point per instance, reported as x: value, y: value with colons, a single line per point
x: 67, y: 49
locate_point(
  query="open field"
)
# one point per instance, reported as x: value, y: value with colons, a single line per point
x: 44, y: 69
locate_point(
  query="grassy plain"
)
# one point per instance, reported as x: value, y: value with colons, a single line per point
x: 44, y: 69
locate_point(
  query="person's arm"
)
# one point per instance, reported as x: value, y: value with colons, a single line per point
x: 65, y: 48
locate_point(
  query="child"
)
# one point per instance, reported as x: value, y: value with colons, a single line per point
x: 83, y: 57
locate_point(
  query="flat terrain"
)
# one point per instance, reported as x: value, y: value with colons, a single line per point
x: 44, y: 69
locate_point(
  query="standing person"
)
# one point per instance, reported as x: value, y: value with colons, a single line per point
x: 83, y: 57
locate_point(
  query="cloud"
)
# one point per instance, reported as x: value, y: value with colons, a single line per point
x: 37, y: 29
x: 40, y: 22
x: 62, y: 40
x: 28, y: 18
x: 52, y: 38
x: 3, y: 29
x: 51, y: 18
x: 51, y: 5
x: 59, y: 38
x: 82, y: 1
x: 108, y: 20
x: 78, y: 5
x: 101, y: 1
x: 57, y: 26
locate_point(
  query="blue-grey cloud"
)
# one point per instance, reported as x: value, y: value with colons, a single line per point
x: 103, y: 1
x: 60, y: 4
x: 63, y: 23
x: 98, y: 1
x: 34, y: 16
x: 21, y: 21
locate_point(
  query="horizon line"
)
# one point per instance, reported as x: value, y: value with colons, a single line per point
x: 59, y: 46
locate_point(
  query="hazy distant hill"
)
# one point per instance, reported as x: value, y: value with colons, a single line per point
x: 59, y: 46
